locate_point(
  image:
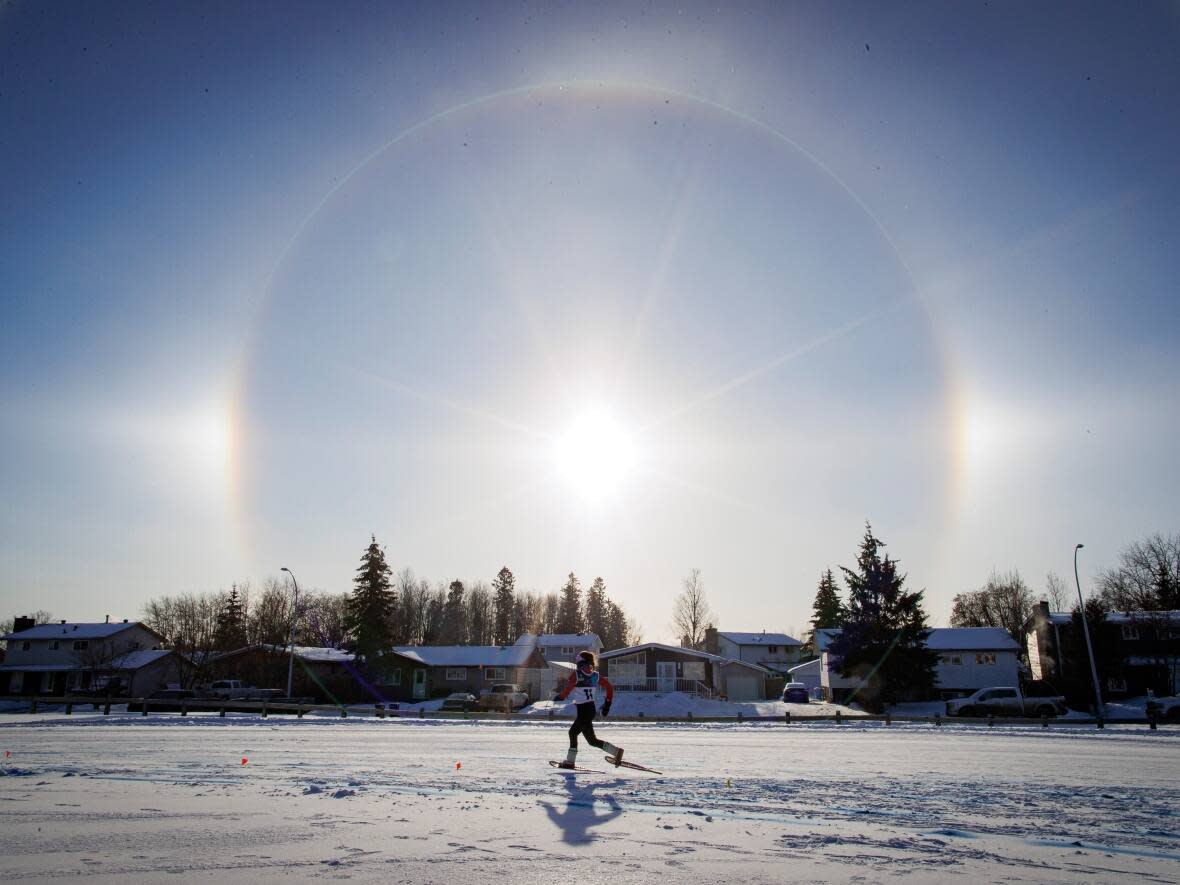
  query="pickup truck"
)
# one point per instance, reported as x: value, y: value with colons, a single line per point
x: 236, y: 690
x: 1008, y: 700
x: 1165, y: 709
x: 503, y: 696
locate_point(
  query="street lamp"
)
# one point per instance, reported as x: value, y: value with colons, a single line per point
x: 291, y: 634
x: 1086, y: 631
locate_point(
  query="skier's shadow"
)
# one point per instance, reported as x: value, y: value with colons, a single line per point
x: 579, y: 815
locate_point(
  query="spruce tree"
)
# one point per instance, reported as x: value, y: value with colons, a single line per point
x: 230, y: 633
x: 616, y: 635
x: 828, y: 608
x: 569, y: 613
x: 883, y: 642
x: 454, y: 619
x: 370, y: 608
x: 504, y: 600
x: 596, y: 611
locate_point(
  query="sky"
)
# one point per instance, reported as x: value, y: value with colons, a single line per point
x: 619, y: 290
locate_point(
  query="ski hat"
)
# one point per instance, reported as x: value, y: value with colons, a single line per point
x: 586, y: 659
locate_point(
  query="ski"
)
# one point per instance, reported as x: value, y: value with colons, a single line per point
x: 557, y: 765
x: 626, y: 764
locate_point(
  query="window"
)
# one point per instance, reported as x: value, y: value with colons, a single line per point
x: 46, y: 683
x: 567, y: 649
x: 494, y: 674
x: 985, y: 659
x: 772, y: 649
x: 16, y: 682
x: 694, y: 670
x: 26, y: 645
x: 456, y: 674
x: 395, y: 678
x: 80, y: 644
x: 952, y: 660
x: 53, y: 644
x: 1130, y: 631
x: 1114, y: 683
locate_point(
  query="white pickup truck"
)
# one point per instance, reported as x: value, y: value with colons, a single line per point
x: 1164, y: 709
x: 1008, y: 700
x: 503, y: 696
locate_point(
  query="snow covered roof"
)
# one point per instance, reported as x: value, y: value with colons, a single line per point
x: 582, y: 640
x: 971, y: 639
x: 130, y: 661
x: 1170, y: 617
x: 811, y: 666
x: 825, y: 636
x: 326, y: 655
x: 945, y: 639
x: 762, y: 638
x: 467, y: 655
x: 74, y: 630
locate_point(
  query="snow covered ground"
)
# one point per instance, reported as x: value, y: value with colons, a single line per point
x: 134, y: 799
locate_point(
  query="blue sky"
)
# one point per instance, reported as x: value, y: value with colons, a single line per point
x: 275, y: 277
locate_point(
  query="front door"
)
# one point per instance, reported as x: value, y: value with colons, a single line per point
x: 665, y: 676
x: 419, y: 685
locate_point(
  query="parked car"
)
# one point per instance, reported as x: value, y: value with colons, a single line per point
x: 460, y: 700
x: 1009, y: 701
x: 503, y: 696
x: 1165, y: 709
x: 795, y: 693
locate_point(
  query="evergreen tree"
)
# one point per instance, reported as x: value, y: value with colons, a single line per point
x: 454, y: 621
x: 230, y: 632
x: 596, y: 610
x: 504, y: 600
x: 883, y: 642
x: 569, y: 614
x: 828, y: 608
x: 370, y: 608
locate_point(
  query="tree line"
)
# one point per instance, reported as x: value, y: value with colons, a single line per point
x: 383, y: 610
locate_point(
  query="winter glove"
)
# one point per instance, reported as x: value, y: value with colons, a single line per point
x: 606, y: 709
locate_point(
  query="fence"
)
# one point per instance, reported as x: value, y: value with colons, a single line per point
x: 658, y: 684
x: 264, y: 708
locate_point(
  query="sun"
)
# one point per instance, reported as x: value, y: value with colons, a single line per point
x: 595, y: 455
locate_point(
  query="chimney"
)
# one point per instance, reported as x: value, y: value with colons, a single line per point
x: 124, y: 620
x: 711, y: 645
x: 108, y: 619
x: 23, y: 622
x: 63, y: 621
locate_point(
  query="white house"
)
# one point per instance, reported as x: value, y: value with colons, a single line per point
x: 774, y: 651
x: 969, y: 658
x: 55, y: 659
x: 563, y: 646
x: 655, y: 667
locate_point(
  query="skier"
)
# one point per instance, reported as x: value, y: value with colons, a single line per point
x: 582, y: 683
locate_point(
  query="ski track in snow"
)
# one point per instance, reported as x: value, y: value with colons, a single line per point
x: 139, y: 799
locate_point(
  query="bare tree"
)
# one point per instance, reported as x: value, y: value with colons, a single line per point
x: 1057, y: 593
x: 188, y: 623
x: 268, y: 620
x: 1147, y: 577
x: 1004, y: 601
x: 39, y: 617
x: 690, y: 612
x: 322, y: 619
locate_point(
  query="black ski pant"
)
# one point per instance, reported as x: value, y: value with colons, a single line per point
x: 584, y: 725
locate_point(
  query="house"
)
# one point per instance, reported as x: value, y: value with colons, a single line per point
x: 774, y: 651
x: 1134, y: 652
x: 326, y: 674
x: 666, y: 668
x: 807, y: 673
x: 56, y: 659
x: 564, y: 646
x: 969, y: 658
x: 419, y: 672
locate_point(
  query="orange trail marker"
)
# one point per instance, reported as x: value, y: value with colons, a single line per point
x: 244, y: 760
x: 458, y: 765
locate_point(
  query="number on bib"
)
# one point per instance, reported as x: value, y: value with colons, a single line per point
x: 589, y: 693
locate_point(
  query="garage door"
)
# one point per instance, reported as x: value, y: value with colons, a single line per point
x: 742, y: 688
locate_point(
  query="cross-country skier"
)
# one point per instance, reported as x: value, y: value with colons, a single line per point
x: 582, y: 683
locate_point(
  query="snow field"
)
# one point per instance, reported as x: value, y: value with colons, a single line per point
x: 128, y: 798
